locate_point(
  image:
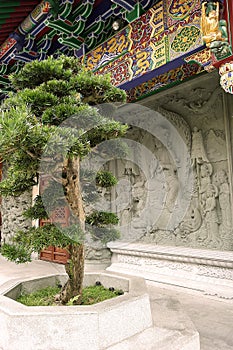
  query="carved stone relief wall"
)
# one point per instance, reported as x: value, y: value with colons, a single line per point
x: 147, y: 195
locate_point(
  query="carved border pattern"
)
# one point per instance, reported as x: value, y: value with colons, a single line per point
x: 213, y: 262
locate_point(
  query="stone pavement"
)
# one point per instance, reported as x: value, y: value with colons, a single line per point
x: 38, y: 268
x: 212, y: 317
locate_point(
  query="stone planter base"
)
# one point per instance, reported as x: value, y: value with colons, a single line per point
x: 91, y: 327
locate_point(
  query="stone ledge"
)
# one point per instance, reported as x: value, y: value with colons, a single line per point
x: 190, y: 255
x: 210, y: 272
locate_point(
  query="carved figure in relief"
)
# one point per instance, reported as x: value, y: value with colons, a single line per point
x: 138, y: 193
x: 169, y: 142
x: 210, y: 23
x: 200, y: 162
x: 172, y: 188
x: 210, y: 214
x: 214, y: 31
x: 123, y: 200
x: 205, y: 173
x: 198, y: 153
x: 224, y: 198
x: 192, y: 220
x: 191, y: 223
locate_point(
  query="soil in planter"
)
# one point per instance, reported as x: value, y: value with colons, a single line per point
x: 46, y: 297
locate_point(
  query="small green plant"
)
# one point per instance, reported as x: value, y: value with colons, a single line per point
x: 105, y: 179
x: 73, y: 300
x: 102, y: 218
x: 96, y: 294
x: 90, y: 295
x: 42, y: 297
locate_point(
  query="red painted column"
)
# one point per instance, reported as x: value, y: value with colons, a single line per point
x: 229, y: 18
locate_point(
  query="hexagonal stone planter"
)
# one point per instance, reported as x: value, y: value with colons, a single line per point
x: 92, y: 327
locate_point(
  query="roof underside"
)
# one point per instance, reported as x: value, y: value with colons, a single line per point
x: 12, y: 13
x: 34, y: 29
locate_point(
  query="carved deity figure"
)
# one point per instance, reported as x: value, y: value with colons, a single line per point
x: 204, y: 181
x: 198, y: 153
x: 210, y: 214
x: 211, y: 30
x: 224, y: 198
x: 172, y: 188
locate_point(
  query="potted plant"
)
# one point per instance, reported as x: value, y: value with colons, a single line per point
x: 46, y: 94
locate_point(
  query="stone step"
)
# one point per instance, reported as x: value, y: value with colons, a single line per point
x: 172, y: 330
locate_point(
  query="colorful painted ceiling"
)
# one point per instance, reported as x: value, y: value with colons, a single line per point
x: 158, y: 42
x: 35, y: 29
x: 145, y: 55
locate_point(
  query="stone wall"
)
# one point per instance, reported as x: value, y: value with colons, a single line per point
x: 12, y: 218
x: 155, y: 201
x: 175, y: 187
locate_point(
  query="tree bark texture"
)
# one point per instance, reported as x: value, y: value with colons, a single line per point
x: 75, y: 271
x: 73, y: 189
x: 75, y: 264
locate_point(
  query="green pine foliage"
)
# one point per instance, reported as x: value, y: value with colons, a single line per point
x: 37, y: 211
x: 35, y: 73
x: 105, y: 179
x: 46, y: 94
x: 16, y: 253
x: 38, y: 238
x: 101, y: 226
x: 102, y: 218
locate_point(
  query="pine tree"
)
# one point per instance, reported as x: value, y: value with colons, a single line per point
x: 46, y: 94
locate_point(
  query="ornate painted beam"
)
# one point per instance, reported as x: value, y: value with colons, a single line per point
x: 35, y: 17
x: 7, y: 47
x: 85, y: 8
x: 77, y: 27
x: 127, y: 5
x: 71, y: 41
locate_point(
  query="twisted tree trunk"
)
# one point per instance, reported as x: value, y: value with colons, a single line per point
x: 75, y: 264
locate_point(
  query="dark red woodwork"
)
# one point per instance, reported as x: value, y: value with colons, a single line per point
x: 217, y: 64
x: 54, y: 254
x: 16, y: 16
x: 229, y: 14
x: 60, y: 216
